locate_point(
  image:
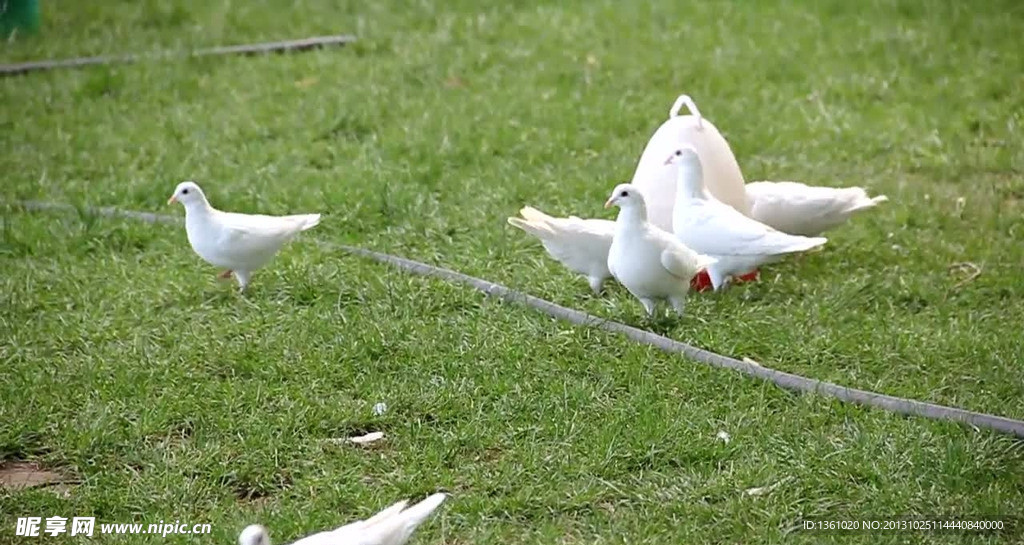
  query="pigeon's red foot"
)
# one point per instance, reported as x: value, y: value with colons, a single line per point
x: 226, y: 274
x: 751, y: 276
x: 702, y: 282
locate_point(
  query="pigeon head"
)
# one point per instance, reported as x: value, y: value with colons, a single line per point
x: 254, y: 535
x: 683, y: 155
x: 690, y: 176
x: 187, y: 193
x: 625, y: 196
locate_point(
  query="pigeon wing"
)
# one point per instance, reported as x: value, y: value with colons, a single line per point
x: 800, y: 209
x: 580, y: 244
x: 246, y: 238
x: 719, y: 229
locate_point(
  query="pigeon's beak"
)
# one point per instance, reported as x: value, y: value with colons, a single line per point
x: 172, y: 200
x: 609, y: 202
x: 669, y: 160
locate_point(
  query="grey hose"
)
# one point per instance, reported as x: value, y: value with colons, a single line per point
x: 247, y: 49
x: 785, y: 380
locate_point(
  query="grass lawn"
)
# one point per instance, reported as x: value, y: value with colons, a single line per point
x: 167, y: 396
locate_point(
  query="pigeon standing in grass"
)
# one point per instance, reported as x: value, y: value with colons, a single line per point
x: 650, y: 262
x: 392, y: 526
x: 739, y: 244
x: 240, y: 243
x: 580, y: 244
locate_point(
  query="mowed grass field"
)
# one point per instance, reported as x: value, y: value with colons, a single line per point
x: 165, y: 395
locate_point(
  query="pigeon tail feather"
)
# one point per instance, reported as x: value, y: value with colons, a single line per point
x: 397, y: 528
x: 419, y: 512
x: 391, y: 511
x: 533, y: 214
x: 803, y: 244
x: 310, y: 221
x: 869, y: 203
x: 535, y: 228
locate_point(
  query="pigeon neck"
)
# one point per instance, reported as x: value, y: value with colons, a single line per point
x: 690, y: 182
x: 632, y: 214
x: 198, y: 206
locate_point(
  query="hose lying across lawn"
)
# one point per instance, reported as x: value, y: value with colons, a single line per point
x: 246, y: 49
x: 788, y: 381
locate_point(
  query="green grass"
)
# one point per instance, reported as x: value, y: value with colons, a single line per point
x: 169, y: 396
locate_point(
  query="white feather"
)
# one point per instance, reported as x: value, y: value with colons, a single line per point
x: 392, y: 526
x: 581, y: 245
x: 241, y: 243
x: 740, y: 244
x: 647, y: 260
x: 800, y: 209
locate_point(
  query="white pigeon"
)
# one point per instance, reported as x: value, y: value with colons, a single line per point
x: 392, y: 526
x: 240, y: 243
x: 580, y: 244
x: 738, y: 243
x: 800, y: 209
x: 647, y: 260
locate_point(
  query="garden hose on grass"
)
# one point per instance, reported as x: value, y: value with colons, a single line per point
x: 306, y: 44
x: 785, y: 380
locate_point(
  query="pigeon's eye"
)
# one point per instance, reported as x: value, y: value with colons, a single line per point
x: 184, y: 191
x: 624, y: 194
x: 679, y: 152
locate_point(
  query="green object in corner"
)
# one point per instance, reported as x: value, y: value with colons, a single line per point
x: 18, y: 16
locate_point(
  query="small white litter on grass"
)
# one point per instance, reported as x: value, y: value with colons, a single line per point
x: 762, y: 490
x: 380, y: 408
x: 357, y: 440
x: 368, y: 438
x: 724, y: 436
